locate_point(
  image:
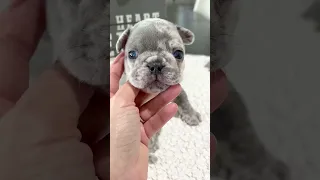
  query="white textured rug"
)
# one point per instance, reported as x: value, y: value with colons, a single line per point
x: 184, y: 151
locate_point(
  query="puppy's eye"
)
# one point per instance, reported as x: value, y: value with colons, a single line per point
x: 133, y: 54
x: 178, y: 54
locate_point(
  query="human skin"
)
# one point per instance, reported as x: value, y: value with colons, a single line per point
x: 218, y: 89
x: 218, y: 93
x: 38, y: 130
x: 128, y: 136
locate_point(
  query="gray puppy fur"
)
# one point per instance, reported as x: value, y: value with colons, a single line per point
x: 155, y: 40
x: 223, y: 22
x: 81, y: 38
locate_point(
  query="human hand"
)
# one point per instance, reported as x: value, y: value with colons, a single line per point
x: 129, y: 137
x: 39, y: 125
x: 218, y: 89
x: 219, y: 92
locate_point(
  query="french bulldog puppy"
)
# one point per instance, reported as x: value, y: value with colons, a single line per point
x: 80, y: 31
x: 81, y: 36
x: 154, y: 60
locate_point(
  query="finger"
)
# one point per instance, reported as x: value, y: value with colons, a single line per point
x: 213, y: 146
x: 152, y: 107
x: 23, y: 23
x: 101, y: 158
x: 21, y: 28
x: 143, y: 98
x: 47, y: 115
x: 143, y: 161
x: 92, y: 123
x: 126, y: 94
x: 156, y: 122
x: 52, y: 106
x: 116, y: 71
x: 218, y: 89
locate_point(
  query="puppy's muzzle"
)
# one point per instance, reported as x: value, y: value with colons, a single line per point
x: 155, y: 67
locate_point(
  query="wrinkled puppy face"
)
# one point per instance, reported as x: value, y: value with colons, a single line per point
x: 154, y: 54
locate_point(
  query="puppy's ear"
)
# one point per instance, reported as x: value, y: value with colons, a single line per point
x: 121, y: 43
x: 186, y: 35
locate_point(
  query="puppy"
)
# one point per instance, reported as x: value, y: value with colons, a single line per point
x: 154, y: 60
x: 80, y: 30
x: 81, y: 45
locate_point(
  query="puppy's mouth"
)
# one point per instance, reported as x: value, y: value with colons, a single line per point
x: 156, y: 86
x: 154, y: 83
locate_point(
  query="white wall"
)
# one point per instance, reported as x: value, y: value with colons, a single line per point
x: 202, y: 7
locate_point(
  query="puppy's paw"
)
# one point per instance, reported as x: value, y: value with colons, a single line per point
x: 153, y: 146
x: 208, y: 66
x: 152, y: 159
x: 191, y: 118
x: 156, y: 147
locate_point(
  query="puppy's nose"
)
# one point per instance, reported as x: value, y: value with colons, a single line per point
x: 155, y: 68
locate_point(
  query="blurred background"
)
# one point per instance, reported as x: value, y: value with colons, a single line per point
x: 268, y: 127
x: 194, y: 15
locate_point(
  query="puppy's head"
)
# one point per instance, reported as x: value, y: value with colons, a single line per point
x: 154, y: 54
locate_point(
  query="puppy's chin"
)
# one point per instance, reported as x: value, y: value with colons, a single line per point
x: 155, y: 87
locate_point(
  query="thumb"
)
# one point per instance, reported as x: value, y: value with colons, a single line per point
x: 126, y: 94
x: 213, y: 146
x: 143, y: 161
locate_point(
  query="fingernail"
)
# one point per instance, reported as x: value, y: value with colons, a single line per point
x: 118, y: 57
